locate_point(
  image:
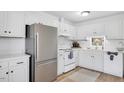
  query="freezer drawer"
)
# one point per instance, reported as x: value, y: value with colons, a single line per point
x: 46, y: 72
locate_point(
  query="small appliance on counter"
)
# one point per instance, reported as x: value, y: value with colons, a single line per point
x: 75, y: 44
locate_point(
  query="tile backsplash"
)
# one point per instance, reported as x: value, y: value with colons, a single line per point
x: 109, y: 45
x: 12, y: 46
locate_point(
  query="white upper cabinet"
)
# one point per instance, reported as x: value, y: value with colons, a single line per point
x: 3, y: 21
x: 64, y: 29
x: 41, y: 17
x: 12, y: 24
x: 113, y: 29
x: 73, y: 32
x: 15, y: 24
x: 90, y: 30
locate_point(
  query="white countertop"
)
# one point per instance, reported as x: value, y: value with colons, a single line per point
x: 11, y: 56
x: 84, y: 49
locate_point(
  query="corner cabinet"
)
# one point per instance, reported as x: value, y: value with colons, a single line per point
x: 12, y: 24
x: 14, y: 70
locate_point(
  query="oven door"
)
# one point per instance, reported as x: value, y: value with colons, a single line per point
x: 68, y: 60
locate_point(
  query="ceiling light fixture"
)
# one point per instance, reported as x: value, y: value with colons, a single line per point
x: 85, y: 13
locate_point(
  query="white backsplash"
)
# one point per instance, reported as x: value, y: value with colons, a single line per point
x: 110, y: 45
x: 64, y: 43
x: 12, y: 46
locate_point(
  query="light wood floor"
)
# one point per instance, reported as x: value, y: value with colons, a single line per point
x: 102, y: 77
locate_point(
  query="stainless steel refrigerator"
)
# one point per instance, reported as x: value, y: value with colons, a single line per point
x: 41, y: 44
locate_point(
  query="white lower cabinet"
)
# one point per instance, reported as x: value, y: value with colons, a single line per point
x: 16, y: 70
x: 91, y: 59
x: 4, y: 75
x: 115, y: 66
x: 19, y: 72
x: 76, y: 56
x: 85, y: 59
x: 60, y: 65
x: 98, y: 60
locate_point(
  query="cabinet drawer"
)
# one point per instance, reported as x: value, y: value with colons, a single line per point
x: 18, y: 62
x: 3, y: 65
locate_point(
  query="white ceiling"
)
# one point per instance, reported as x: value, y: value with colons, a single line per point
x: 74, y: 16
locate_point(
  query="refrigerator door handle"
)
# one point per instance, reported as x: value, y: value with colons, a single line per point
x: 37, y: 45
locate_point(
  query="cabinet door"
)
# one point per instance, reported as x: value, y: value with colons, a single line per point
x: 64, y: 29
x: 76, y: 56
x: 85, y: 59
x: 72, y: 32
x: 60, y: 67
x: 97, y: 29
x: 123, y: 29
x: 114, y: 67
x: 3, y: 20
x: 19, y: 73
x: 82, y: 33
x: 113, y: 29
x: 90, y: 30
x: 15, y: 24
x: 4, y: 75
x: 98, y: 60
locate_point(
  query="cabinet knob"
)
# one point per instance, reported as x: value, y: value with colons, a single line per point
x: 7, y: 72
x: 11, y: 71
x: 5, y: 31
x: 0, y: 66
x: 9, y: 32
